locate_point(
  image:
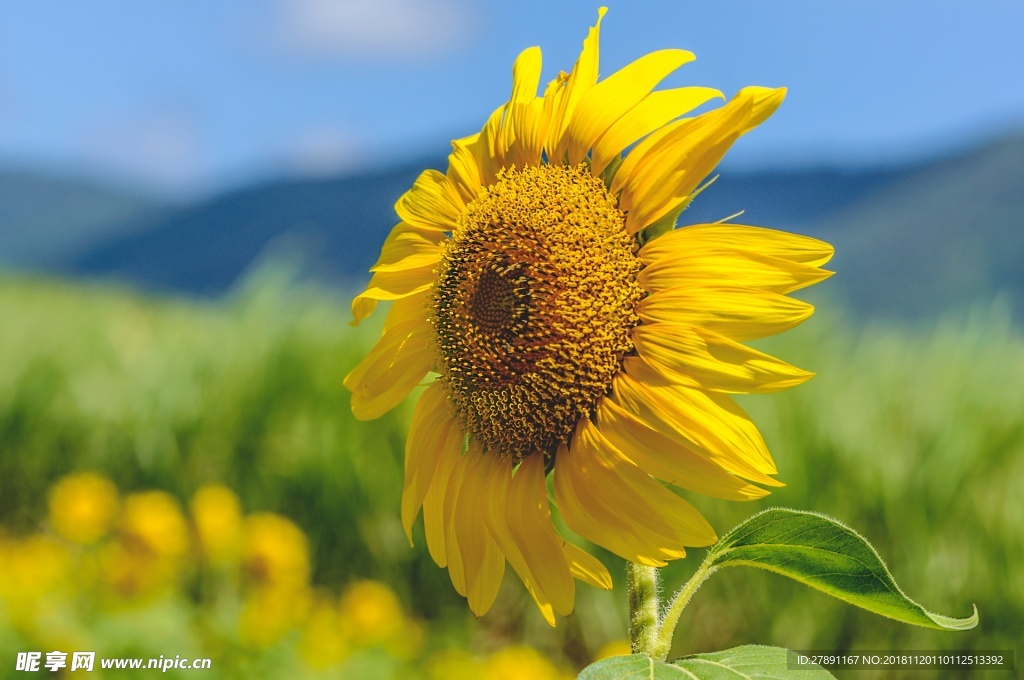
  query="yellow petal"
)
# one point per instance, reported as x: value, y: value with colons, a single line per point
x: 737, y: 313
x: 409, y: 248
x: 654, y: 111
x: 397, y: 363
x: 456, y: 572
x: 525, y: 80
x: 674, y: 153
x: 701, y: 421
x: 463, y: 171
x: 432, y: 203
x: 662, y: 187
x: 588, y: 516
x: 667, y: 459
x: 549, y: 128
x: 404, y: 308
x: 529, y: 520
x: 657, y: 178
x: 498, y: 479
x: 607, y: 499
x: 363, y: 306
x: 529, y: 142
x: 429, y: 434
x: 391, y: 285
x: 742, y: 268
x: 610, y: 99
x: 711, y: 238
x: 488, y: 149
x: 586, y: 567
x: 526, y: 76
x: 577, y: 84
x: 407, y: 309
x: 764, y: 101
x: 434, y: 522
x: 697, y: 357
x: 649, y: 150
x: 483, y: 565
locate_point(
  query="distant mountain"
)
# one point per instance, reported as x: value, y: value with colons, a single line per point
x: 949, y: 234
x: 46, y: 220
x: 788, y: 198
x: 911, y: 240
x: 335, y: 225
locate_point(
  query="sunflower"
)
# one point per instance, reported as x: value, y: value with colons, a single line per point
x: 568, y: 329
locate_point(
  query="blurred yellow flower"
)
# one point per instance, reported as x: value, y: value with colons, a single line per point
x: 132, y: 573
x: 323, y: 643
x: 83, y: 506
x: 276, y: 570
x: 371, y: 613
x: 217, y: 513
x: 454, y: 664
x: 275, y: 553
x: 154, y: 570
x: 152, y: 541
x: 407, y: 642
x: 613, y: 648
x: 569, y: 328
x: 268, y: 614
x: 152, y: 523
x: 522, y: 663
x: 31, y: 568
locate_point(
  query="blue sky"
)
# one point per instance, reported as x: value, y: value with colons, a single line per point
x: 190, y: 96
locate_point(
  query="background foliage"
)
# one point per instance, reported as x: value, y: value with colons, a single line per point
x: 913, y: 436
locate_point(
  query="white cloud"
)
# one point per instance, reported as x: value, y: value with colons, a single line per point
x: 163, y: 150
x: 160, y: 149
x: 8, y: 106
x: 340, y: 28
x: 323, y: 150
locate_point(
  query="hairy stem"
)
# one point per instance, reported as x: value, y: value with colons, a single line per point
x: 642, y: 591
x: 663, y: 643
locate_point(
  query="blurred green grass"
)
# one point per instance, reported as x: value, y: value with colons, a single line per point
x: 913, y: 436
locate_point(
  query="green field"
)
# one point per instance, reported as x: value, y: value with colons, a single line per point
x: 913, y: 436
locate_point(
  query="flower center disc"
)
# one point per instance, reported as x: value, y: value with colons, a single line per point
x: 534, y: 305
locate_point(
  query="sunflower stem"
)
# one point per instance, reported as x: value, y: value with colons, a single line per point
x: 666, y: 631
x: 642, y: 591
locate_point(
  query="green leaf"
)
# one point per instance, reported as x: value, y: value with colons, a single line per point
x: 632, y: 667
x: 748, y: 661
x: 821, y: 552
